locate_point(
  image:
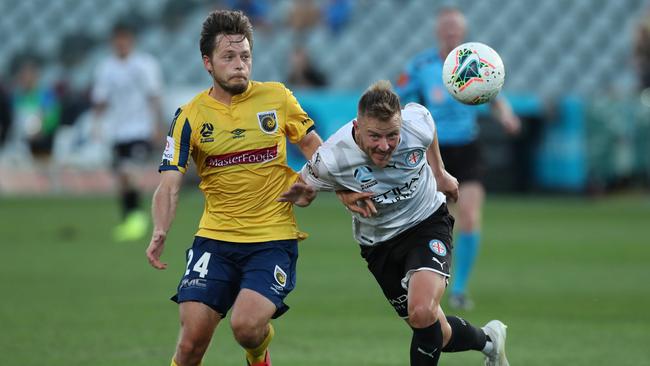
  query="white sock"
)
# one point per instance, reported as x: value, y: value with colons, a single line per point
x: 489, y: 347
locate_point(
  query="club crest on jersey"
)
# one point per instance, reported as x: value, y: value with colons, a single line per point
x: 438, y: 247
x: 280, y: 276
x: 268, y: 121
x: 206, y: 132
x: 413, y: 158
x: 364, y: 176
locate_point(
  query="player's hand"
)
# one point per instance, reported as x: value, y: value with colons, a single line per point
x: 359, y: 202
x: 448, y: 185
x: 300, y: 194
x: 155, y: 249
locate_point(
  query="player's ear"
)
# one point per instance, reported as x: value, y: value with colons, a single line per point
x: 207, y: 64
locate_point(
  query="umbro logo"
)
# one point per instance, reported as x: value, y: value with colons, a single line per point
x: 238, y: 133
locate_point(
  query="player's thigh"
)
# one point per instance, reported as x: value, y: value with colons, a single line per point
x: 251, y: 310
x: 269, y: 271
x: 426, y: 289
x: 212, y: 276
x: 198, y: 322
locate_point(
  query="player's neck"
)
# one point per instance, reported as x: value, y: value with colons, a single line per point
x: 220, y: 95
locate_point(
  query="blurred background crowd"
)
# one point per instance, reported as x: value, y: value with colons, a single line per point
x: 578, y: 74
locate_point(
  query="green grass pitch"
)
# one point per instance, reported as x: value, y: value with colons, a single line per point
x: 571, y: 278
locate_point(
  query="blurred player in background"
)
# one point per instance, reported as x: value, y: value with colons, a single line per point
x: 126, y: 97
x: 402, y: 225
x: 459, y: 147
x: 244, y: 253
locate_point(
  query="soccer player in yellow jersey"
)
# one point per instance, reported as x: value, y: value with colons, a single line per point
x: 244, y: 253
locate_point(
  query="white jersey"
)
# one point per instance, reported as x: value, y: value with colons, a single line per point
x: 126, y: 86
x: 405, y: 191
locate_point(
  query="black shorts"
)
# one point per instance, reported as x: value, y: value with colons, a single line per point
x: 463, y: 161
x: 136, y: 152
x: 426, y: 246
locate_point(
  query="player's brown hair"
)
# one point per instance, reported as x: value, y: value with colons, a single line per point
x: 379, y: 101
x: 224, y: 22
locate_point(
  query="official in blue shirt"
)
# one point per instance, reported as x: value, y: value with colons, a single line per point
x: 458, y: 130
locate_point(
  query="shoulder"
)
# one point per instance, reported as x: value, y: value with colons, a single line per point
x: 269, y: 91
x: 418, y: 119
x: 423, y: 58
x: 190, y: 110
x: 338, y: 145
x: 269, y: 87
x: 416, y: 112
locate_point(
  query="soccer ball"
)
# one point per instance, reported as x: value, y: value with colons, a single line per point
x: 473, y: 73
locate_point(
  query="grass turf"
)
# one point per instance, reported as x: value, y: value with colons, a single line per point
x: 568, y: 275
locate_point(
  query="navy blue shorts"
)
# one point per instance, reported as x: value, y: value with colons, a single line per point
x: 217, y: 270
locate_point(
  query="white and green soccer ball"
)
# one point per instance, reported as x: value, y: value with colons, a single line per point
x: 473, y: 73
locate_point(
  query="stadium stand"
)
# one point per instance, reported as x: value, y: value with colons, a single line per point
x: 555, y: 42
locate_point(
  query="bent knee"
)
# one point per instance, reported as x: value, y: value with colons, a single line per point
x: 248, y: 333
x: 191, y: 350
x: 422, y: 316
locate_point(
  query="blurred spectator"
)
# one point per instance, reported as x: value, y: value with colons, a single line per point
x: 642, y: 51
x: 5, y: 115
x: 337, y: 14
x: 73, y: 79
x: 126, y: 96
x: 303, y: 73
x: 35, y: 110
x: 303, y: 15
x: 256, y: 10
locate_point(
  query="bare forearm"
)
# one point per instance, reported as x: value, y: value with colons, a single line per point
x: 163, y: 207
x: 434, y: 158
x: 309, y: 144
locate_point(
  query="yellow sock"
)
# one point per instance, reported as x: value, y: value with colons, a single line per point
x: 175, y: 364
x: 256, y: 355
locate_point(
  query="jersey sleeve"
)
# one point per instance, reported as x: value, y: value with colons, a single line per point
x: 408, y: 84
x: 316, y: 174
x: 178, y: 146
x: 298, y: 123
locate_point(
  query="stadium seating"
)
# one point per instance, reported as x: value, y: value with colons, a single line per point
x: 546, y: 45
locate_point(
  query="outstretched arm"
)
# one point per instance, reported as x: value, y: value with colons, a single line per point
x: 502, y: 111
x: 309, y: 144
x: 300, y: 194
x: 163, y: 210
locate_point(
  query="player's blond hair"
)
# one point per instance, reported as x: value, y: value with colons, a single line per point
x: 379, y: 101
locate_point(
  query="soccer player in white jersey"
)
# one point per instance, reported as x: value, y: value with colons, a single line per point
x: 390, y: 158
x: 126, y: 95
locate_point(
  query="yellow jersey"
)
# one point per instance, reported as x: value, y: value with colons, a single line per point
x: 240, y: 154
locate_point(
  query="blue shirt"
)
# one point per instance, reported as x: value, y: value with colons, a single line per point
x: 421, y: 82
